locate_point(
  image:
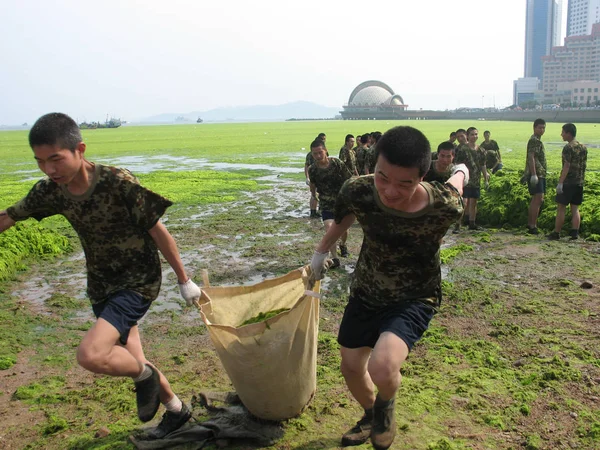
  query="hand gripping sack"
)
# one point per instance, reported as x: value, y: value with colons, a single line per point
x: 272, y: 364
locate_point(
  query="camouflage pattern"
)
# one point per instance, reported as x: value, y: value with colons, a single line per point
x: 361, y: 154
x: 348, y: 157
x: 575, y: 154
x: 433, y: 175
x: 536, y: 147
x: 492, y: 153
x: 328, y: 181
x: 112, y: 220
x: 474, y: 159
x: 370, y: 159
x: 399, y: 259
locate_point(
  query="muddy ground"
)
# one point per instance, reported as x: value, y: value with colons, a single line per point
x: 510, y: 362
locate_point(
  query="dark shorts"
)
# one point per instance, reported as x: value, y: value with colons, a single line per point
x: 471, y: 192
x: 362, y: 327
x: 539, y: 188
x: 327, y: 215
x: 122, y: 310
x: 572, y: 195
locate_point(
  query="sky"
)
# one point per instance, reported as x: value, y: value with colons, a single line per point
x: 134, y: 59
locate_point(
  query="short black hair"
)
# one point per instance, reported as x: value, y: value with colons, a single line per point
x: 376, y: 135
x: 321, y: 135
x: 453, y: 133
x: 470, y: 129
x: 539, y: 122
x: 349, y: 136
x: 487, y: 131
x: 317, y: 143
x: 364, y: 139
x: 55, y: 129
x: 405, y: 147
x: 570, y: 128
x: 461, y: 130
x: 446, y: 145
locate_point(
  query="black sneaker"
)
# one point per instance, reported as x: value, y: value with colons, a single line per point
x: 360, y: 433
x: 344, y: 251
x: 170, y: 422
x: 147, y: 397
x: 554, y: 236
x: 384, y: 425
x: 574, y: 235
x: 533, y: 230
x: 474, y: 227
x: 335, y: 263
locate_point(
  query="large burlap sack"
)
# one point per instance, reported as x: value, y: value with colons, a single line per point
x: 272, y: 364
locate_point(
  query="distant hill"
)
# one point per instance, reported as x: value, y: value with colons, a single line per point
x: 298, y: 110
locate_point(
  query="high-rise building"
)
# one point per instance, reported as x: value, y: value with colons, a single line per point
x: 581, y: 15
x: 542, y: 32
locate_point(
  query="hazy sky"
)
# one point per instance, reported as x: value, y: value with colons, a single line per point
x: 134, y: 59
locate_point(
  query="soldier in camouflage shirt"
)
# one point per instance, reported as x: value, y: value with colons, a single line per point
x: 397, y: 283
x: 370, y: 156
x: 493, y: 160
x: 471, y: 155
x: 118, y: 223
x: 327, y: 175
x: 441, y: 167
x: 361, y: 154
x: 347, y: 155
x: 569, y: 190
x: 535, y: 174
x: 313, y: 203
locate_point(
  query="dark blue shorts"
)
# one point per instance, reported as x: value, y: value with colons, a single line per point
x: 327, y: 215
x: 471, y: 192
x: 362, y: 327
x: 539, y: 188
x: 572, y: 195
x: 122, y: 310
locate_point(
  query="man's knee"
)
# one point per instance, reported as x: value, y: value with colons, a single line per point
x: 91, y: 358
x: 383, y: 371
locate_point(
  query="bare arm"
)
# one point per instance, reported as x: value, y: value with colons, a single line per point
x: 167, y: 246
x: 306, y: 171
x: 5, y: 222
x: 531, y: 160
x: 564, y: 171
x: 457, y: 181
x: 335, y: 232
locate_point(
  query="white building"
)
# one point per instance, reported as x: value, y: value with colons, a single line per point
x: 525, y: 90
x: 581, y: 15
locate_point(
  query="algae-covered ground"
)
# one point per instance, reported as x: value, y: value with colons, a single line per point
x: 510, y: 362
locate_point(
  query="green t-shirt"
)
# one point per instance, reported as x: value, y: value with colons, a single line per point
x: 536, y: 147
x: 112, y: 219
x: 370, y: 160
x: 328, y: 181
x: 575, y: 154
x: 348, y: 157
x: 474, y: 159
x: 399, y: 258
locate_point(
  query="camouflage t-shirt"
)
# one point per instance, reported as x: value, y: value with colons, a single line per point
x: 112, y: 220
x: 474, y: 159
x: 399, y: 259
x: 575, y: 154
x: 328, y: 181
x: 370, y: 160
x: 492, y: 153
x: 441, y: 177
x: 361, y: 154
x: 348, y: 157
x: 536, y: 147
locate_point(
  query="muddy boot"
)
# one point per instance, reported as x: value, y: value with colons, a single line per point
x: 360, y: 433
x: 554, y: 236
x: 474, y: 227
x: 456, y: 229
x: 384, y: 424
x: 344, y: 251
x: 170, y: 422
x: 574, y: 235
x: 148, y: 400
x: 533, y: 230
x: 335, y: 263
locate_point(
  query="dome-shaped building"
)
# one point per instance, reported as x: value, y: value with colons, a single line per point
x: 373, y: 100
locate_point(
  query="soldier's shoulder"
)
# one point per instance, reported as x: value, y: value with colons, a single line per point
x: 116, y: 175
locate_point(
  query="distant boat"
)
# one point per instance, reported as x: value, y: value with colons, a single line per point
x: 199, y: 120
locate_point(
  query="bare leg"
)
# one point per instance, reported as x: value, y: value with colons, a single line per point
x: 358, y: 380
x: 389, y: 354
x: 560, y: 217
x: 344, y: 237
x: 472, y: 210
x: 575, y: 217
x: 534, y: 209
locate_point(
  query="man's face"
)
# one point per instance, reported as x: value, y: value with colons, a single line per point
x: 486, y: 136
x: 452, y: 138
x: 539, y: 130
x: 473, y: 136
x: 61, y: 165
x: 445, y: 157
x: 566, y: 136
x: 319, y: 153
x: 350, y: 142
x: 395, y: 184
x: 462, y: 137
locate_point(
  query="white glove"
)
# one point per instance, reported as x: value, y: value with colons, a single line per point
x: 318, y: 265
x: 533, y: 180
x: 559, y: 188
x: 190, y: 291
x: 461, y: 168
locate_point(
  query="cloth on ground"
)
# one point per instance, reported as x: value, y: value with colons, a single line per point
x: 232, y: 421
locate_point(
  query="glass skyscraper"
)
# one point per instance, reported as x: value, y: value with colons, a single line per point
x: 542, y: 32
